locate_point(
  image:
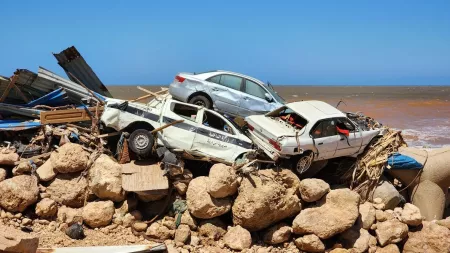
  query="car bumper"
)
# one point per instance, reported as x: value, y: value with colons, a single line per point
x: 179, y: 92
x: 266, y: 147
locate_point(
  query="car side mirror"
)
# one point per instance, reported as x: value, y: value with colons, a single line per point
x: 268, y: 98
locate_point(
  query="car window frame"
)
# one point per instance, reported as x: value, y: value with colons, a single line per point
x: 355, y: 127
x: 211, y: 77
x: 317, y: 124
x: 172, y: 106
x: 240, y: 86
x: 200, y: 122
x: 261, y: 86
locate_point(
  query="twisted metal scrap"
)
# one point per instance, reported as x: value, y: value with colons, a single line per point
x: 370, y: 166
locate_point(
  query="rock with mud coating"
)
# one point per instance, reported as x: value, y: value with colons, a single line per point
x: 105, y: 179
x: 222, y: 181
x: 69, y: 158
x: 17, y: 193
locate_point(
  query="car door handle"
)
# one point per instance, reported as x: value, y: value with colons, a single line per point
x: 215, y: 89
x: 320, y: 143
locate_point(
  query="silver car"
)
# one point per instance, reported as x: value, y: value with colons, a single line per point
x: 227, y: 92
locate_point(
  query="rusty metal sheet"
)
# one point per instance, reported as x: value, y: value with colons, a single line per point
x: 65, y: 116
x: 144, y: 176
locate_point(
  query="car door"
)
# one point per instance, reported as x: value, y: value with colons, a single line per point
x: 225, y: 91
x: 325, y: 138
x: 351, y: 144
x: 180, y: 135
x: 253, y: 99
x: 215, y: 137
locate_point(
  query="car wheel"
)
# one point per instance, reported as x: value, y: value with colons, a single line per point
x: 201, y: 101
x: 141, y: 142
x: 302, y: 163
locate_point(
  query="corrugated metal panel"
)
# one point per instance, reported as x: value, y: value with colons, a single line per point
x: 18, y: 125
x: 72, y: 61
x: 13, y: 110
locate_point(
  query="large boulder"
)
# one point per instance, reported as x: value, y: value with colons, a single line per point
x: 46, y: 172
x: 433, y: 238
x: 265, y: 199
x: 278, y: 233
x: 313, y: 189
x: 389, y: 196
x: 201, y: 204
x: 13, y: 240
x: 17, y: 193
x: 237, y: 238
x: 69, y: 158
x: 46, y: 208
x: 310, y: 243
x: 411, y: 215
x: 105, y: 179
x: 70, y: 215
x: 68, y: 189
x: 222, y: 181
x: 391, y: 231
x: 98, y: 214
x: 335, y: 214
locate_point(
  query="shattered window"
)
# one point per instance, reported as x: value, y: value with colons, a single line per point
x: 232, y: 82
x: 214, y: 79
x: 345, y: 123
x: 325, y: 128
x: 214, y: 121
x: 254, y: 89
x: 185, y: 111
x: 289, y: 116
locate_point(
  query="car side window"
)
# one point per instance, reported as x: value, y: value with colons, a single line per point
x: 230, y: 81
x: 325, y: 128
x: 214, y: 121
x: 254, y: 89
x: 214, y: 79
x: 184, y: 111
x: 344, y: 123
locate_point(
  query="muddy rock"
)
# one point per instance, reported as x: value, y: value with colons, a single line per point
x: 182, y: 234
x: 128, y: 205
x: 391, y: 248
x: 3, y: 174
x: 357, y: 239
x: 312, y: 189
x: 222, y: 181
x: 264, y: 200
x: 69, y: 158
x: 22, y: 168
x: 105, y: 179
x: 285, y: 177
x: 310, y: 243
x: 237, y: 238
x: 181, y: 187
x: 337, y: 213
x: 69, y: 215
x: 411, y: 215
x: 381, y: 215
x: 391, y: 231
x: 277, y: 234
x: 366, y: 215
x: 45, y: 172
x: 8, y: 156
x: 187, y: 219
x: 389, y: 196
x: 201, y: 204
x: 18, y: 193
x: 445, y: 222
x: 139, y: 226
x: 157, y: 231
x: 433, y: 238
x: 46, y: 208
x: 213, y: 228
x: 181, y: 182
x: 68, y: 189
x: 13, y: 240
x: 98, y: 214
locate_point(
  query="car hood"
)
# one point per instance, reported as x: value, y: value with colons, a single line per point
x: 272, y: 128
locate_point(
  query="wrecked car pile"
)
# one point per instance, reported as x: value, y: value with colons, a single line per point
x: 80, y: 168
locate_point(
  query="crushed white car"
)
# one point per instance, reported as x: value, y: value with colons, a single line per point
x: 203, y: 132
x: 307, y: 131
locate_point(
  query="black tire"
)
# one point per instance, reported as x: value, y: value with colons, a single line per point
x: 141, y: 142
x: 301, y: 163
x: 201, y: 101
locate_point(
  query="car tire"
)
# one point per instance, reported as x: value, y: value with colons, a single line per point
x: 201, y: 101
x: 141, y: 142
x: 301, y: 163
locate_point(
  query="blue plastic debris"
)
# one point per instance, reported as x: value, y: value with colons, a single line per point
x: 398, y: 161
x: 17, y: 125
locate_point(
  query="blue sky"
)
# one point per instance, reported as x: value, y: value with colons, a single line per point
x: 284, y: 42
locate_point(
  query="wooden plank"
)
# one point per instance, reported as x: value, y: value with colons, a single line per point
x: 162, y: 91
x: 66, y: 116
x: 141, y: 176
x: 10, y: 85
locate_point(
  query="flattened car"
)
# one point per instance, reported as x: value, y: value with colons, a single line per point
x: 203, y: 132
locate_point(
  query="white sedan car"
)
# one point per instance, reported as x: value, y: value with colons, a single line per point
x: 307, y: 131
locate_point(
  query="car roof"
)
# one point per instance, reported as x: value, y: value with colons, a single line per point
x: 314, y: 110
x: 208, y: 74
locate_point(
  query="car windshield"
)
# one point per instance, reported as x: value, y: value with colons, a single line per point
x: 274, y: 93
